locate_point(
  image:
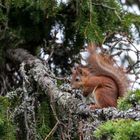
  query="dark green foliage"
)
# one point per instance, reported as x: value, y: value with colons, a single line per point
x: 27, y: 23
x: 97, y: 18
x: 31, y: 19
x: 7, y: 129
x: 131, y: 100
x: 45, y: 120
x: 119, y: 130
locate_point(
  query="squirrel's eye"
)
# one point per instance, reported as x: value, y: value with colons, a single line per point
x: 77, y: 79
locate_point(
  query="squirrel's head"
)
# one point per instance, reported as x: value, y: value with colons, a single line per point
x: 75, y: 78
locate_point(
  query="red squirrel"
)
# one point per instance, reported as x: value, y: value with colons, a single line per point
x: 100, y: 79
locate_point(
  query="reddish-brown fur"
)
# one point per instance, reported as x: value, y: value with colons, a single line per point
x: 100, y: 79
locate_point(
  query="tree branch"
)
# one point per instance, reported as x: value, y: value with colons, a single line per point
x: 43, y: 77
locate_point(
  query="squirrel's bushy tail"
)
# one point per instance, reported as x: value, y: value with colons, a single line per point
x: 100, y: 64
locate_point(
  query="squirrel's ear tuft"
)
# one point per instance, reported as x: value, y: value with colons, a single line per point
x: 91, y: 47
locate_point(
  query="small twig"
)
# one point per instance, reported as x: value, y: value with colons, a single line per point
x: 54, y: 112
x: 90, y: 9
x: 127, y: 50
x: 134, y: 83
x: 131, y: 43
x: 2, y: 6
x: 80, y: 130
x: 50, y: 74
x: 53, y: 130
x: 107, y: 36
x: 103, y: 5
x: 52, y: 52
x: 55, y: 115
x: 116, y: 54
x: 117, y: 15
x: 132, y: 66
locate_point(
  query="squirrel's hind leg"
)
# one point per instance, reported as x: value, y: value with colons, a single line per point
x: 104, y: 98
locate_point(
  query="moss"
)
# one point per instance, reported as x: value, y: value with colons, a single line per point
x: 119, y: 130
x: 45, y: 119
x: 131, y: 100
x: 7, y: 129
